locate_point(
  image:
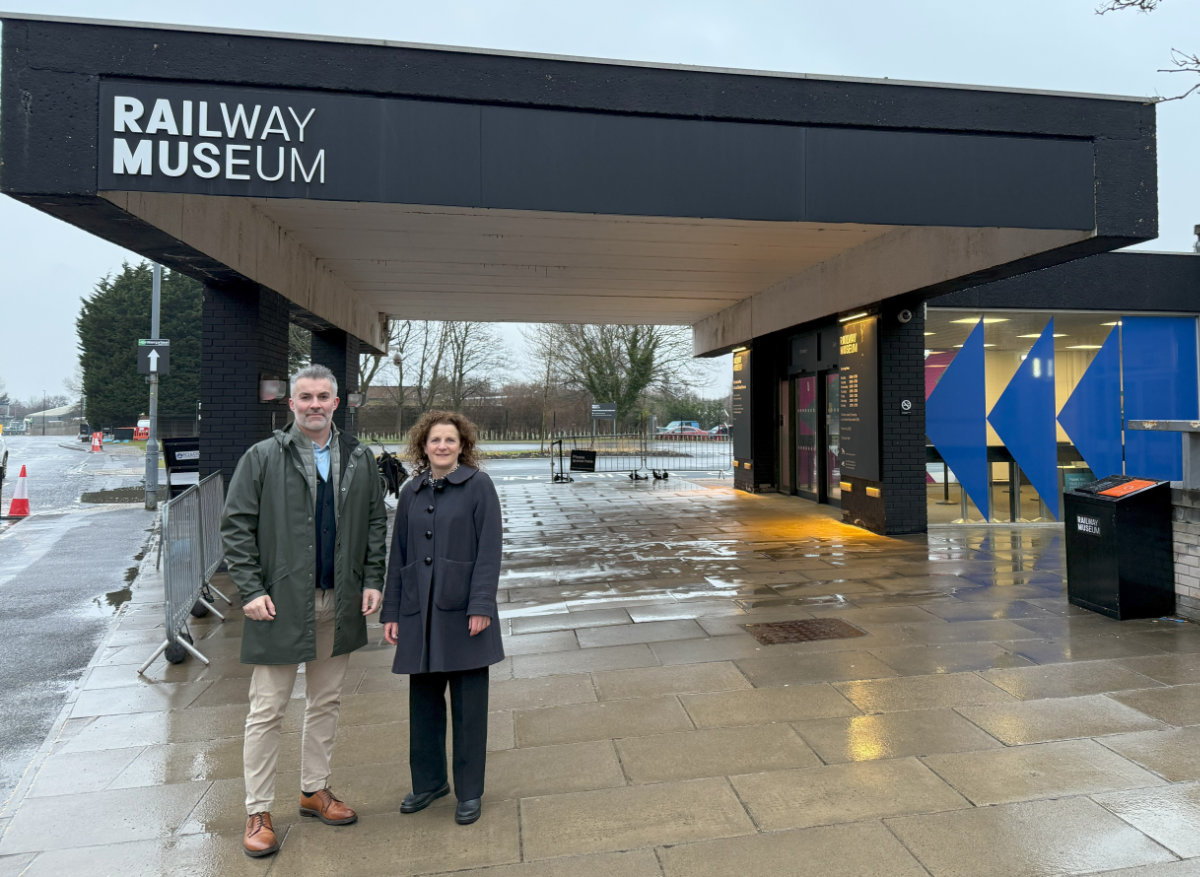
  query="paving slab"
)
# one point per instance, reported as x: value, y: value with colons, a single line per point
x: 1044, y: 770
x: 1173, y: 754
x: 841, y: 793
x: 1061, y: 718
x: 684, y: 755
x: 1168, y: 815
x: 1066, y: 836
x: 631, y: 817
x: 600, y: 721
x: 864, y: 849
x: 893, y: 735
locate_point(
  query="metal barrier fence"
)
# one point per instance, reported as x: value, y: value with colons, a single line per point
x: 190, y: 553
x: 659, y: 453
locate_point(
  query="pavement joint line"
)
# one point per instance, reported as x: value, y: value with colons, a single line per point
x: 34, y: 767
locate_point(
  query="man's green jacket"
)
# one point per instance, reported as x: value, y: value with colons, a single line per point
x: 270, y: 543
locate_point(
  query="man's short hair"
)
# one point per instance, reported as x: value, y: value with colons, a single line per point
x: 314, y: 372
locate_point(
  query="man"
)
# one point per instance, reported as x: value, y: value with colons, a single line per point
x: 305, y: 542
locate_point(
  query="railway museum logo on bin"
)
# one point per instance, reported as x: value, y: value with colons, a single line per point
x: 230, y: 140
x: 1087, y: 524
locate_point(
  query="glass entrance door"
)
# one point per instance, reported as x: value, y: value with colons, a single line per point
x: 833, y: 470
x: 807, y: 476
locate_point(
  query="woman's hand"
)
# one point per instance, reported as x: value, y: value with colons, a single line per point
x: 390, y: 632
x: 477, y: 624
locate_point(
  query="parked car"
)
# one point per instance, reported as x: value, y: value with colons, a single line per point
x: 721, y: 429
x: 685, y: 431
x: 677, y: 426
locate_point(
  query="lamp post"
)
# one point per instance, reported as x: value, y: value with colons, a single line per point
x: 43, y: 412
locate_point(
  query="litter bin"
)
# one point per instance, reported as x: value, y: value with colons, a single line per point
x: 181, y: 458
x: 1120, y: 560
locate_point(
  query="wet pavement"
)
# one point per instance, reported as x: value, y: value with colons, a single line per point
x: 979, y: 725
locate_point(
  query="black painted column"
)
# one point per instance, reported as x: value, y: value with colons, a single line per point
x: 902, y: 418
x: 338, y: 351
x: 245, y: 338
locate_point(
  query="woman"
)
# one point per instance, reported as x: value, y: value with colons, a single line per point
x: 439, y: 608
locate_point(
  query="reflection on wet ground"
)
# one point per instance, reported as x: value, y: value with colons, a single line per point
x: 979, y: 725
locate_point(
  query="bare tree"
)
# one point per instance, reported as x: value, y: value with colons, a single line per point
x: 1181, y: 61
x: 473, y: 355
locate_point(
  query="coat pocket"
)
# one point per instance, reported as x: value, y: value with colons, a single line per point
x: 410, y: 590
x: 452, y: 585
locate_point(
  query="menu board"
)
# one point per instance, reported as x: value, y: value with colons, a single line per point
x: 858, y: 399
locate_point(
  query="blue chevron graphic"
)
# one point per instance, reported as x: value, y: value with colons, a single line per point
x: 1023, y: 417
x: 1092, y: 414
x: 956, y: 420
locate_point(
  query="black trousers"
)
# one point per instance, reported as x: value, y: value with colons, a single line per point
x: 427, y: 730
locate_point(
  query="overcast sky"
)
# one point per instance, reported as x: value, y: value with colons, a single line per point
x: 1058, y: 45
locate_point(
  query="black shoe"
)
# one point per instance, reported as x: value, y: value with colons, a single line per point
x: 468, y: 811
x: 415, y: 801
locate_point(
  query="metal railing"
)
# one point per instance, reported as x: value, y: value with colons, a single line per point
x: 659, y: 452
x: 190, y: 552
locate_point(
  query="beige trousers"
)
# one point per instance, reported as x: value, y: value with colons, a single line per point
x: 270, y: 690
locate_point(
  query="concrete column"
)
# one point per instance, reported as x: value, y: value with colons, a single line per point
x: 338, y: 351
x: 245, y: 338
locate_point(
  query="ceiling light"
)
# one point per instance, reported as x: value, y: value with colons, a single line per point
x: 987, y: 321
x: 1083, y: 347
x: 1039, y: 335
x: 1113, y: 323
x: 986, y: 345
x: 857, y: 316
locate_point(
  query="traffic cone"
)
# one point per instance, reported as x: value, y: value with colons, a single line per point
x: 19, y: 507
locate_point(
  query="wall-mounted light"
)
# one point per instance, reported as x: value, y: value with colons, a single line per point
x: 857, y: 316
x: 272, y: 389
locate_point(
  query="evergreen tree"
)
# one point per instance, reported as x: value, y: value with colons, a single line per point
x: 110, y: 323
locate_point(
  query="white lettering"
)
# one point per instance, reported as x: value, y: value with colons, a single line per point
x: 164, y: 158
x: 187, y: 118
x: 239, y: 120
x: 302, y: 124
x: 137, y: 161
x: 205, y: 154
x: 232, y: 160
x: 297, y: 161
x: 262, y: 175
x: 204, y: 130
x: 275, y: 125
x: 162, y: 118
x: 126, y: 112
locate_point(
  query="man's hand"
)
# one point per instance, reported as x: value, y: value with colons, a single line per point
x: 391, y: 630
x: 371, y: 600
x: 477, y: 624
x: 260, y: 609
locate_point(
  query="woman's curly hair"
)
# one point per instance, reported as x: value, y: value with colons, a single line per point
x: 419, y: 434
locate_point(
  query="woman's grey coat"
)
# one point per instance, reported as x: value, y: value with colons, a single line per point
x: 445, y: 566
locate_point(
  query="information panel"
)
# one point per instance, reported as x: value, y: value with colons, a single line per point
x: 858, y: 398
x: 741, y: 405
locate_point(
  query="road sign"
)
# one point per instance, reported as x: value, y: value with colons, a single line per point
x: 601, y: 410
x: 154, y: 356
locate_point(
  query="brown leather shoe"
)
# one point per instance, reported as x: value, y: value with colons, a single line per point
x: 325, y: 806
x: 260, y: 836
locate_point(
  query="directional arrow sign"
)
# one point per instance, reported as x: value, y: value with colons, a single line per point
x: 154, y: 356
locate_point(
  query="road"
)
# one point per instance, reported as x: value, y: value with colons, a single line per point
x: 64, y: 572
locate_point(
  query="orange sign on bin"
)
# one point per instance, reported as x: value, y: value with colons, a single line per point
x: 1128, y: 487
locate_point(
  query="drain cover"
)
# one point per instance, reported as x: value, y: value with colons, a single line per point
x: 777, y: 632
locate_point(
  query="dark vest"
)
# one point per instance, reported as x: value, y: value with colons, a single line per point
x: 326, y: 533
